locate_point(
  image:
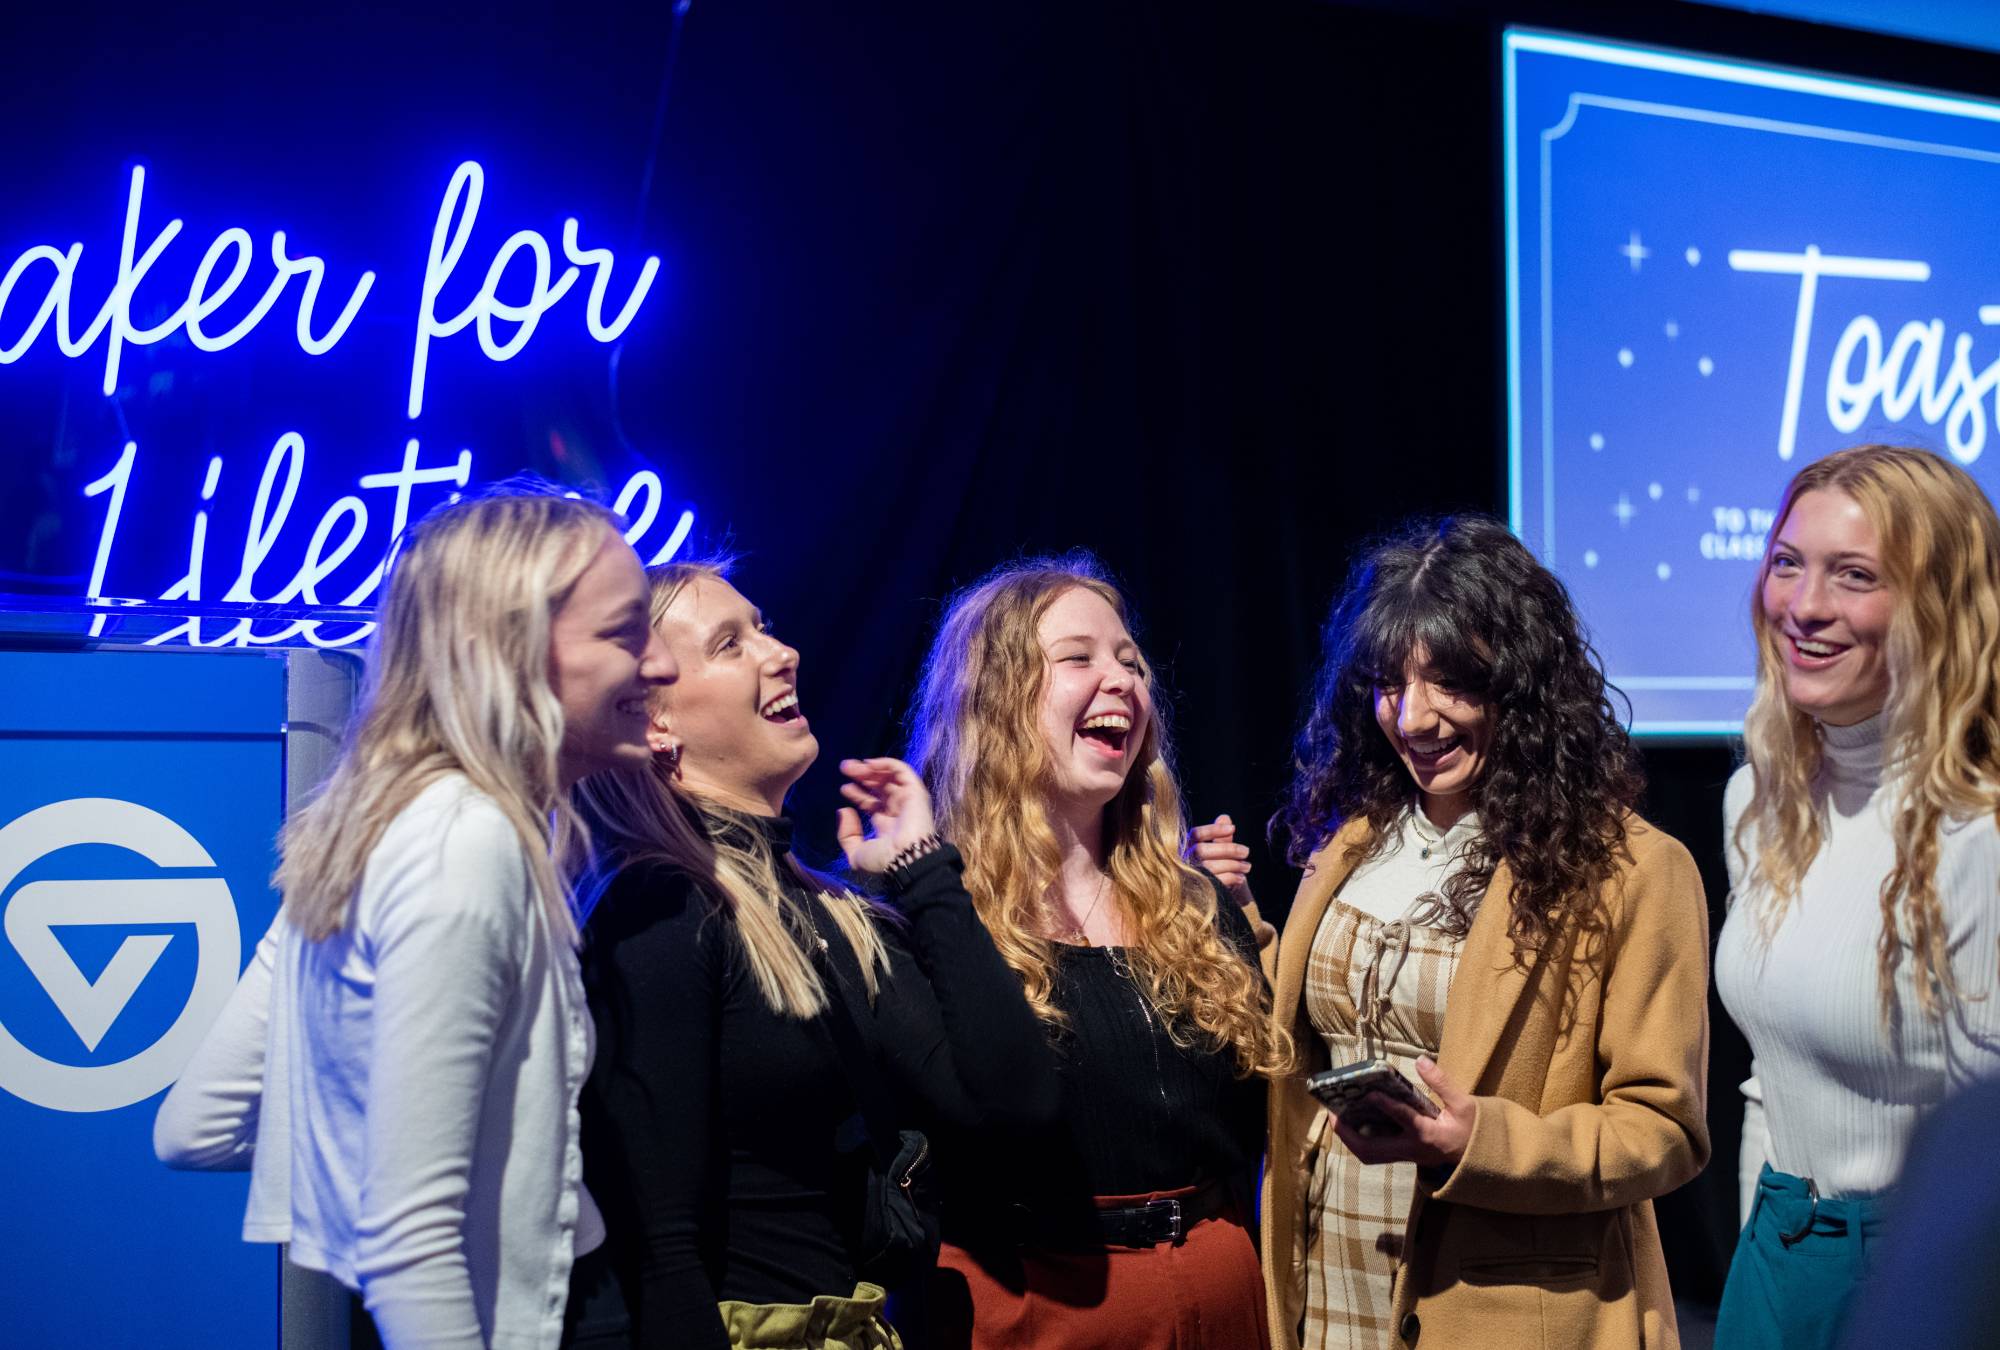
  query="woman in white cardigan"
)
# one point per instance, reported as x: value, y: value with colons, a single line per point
x: 399, y: 1067
x: 1863, y: 941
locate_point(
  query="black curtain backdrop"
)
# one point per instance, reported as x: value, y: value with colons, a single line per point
x: 1213, y: 290
x: 1200, y: 288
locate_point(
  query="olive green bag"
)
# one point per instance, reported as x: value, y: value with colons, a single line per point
x: 827, y: 1323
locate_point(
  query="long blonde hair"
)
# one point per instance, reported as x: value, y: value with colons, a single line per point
x: 976, y: 739
x: 646, y: 815
x: 1940, y: 543
x: 457, y: 682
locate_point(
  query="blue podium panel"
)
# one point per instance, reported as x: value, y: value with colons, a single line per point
x: 138, y: 811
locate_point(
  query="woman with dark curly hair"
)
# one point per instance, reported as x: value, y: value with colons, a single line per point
x: 1480, y: 905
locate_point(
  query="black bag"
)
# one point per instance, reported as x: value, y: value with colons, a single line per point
x: 899, y: 1231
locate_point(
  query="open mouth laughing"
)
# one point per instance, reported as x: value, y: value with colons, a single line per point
x: 1106, y: 733
x: 783, y: 709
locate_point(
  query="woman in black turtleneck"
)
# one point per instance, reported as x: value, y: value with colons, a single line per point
x: 717, y: 1119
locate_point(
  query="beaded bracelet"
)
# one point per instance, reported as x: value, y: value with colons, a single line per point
x: 903, y: 861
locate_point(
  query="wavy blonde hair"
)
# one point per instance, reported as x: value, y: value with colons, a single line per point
x: 457, y: 682
x: 977, y: 741
x: 1940, y: 543
x: 647, y: 815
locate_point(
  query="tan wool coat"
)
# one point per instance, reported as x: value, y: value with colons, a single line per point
x: 1588, y: 1061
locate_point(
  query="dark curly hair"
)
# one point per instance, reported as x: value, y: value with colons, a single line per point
x: 1493, y: 623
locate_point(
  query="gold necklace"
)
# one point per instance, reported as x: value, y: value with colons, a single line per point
x: 1080, y: 930
x: 1429, y: 836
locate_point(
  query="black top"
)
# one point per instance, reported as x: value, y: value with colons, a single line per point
x: 1139, y: 1113
x: 710, y: 1121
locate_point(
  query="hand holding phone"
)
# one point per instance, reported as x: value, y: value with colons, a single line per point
x: 1345, y: 1091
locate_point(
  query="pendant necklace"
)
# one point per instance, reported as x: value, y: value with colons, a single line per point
x: 1103, y: 884
x: 1429, y: 837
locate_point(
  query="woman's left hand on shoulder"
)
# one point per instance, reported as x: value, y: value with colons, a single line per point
x: 898, y: 807
x: 1428, y: 1141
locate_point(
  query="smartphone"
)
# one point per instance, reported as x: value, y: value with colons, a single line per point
x: 1344, y: 1091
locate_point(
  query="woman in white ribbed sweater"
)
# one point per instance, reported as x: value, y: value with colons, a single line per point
x: 400, y: 1065
x: 1860, y: 952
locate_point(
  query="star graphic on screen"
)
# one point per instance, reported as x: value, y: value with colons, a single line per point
x: 1634, y: 251
x: 1624, y: 510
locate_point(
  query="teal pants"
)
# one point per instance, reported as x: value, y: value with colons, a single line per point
x: 1796, y: 1267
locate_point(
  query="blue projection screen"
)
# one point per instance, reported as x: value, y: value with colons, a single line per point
x: 1717, y: 272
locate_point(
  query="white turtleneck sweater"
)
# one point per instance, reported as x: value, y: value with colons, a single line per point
x: 1839, y: 1097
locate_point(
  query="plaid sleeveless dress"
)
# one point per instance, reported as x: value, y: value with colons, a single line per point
x: 1356, y: 1215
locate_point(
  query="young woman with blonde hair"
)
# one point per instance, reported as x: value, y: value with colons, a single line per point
x: 1124, y: 1223
x: 400, y: 1066
x: 740, y: 999
x: 1863, y: 941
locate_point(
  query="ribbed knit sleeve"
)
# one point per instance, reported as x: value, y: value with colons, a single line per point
x: 957, y: 1033
x: 209, y: 1119
x: 1969, y: 886
x: 1969, y: 883
x: 652, y: 1145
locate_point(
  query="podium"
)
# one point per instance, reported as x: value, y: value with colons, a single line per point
x: 141, y: 794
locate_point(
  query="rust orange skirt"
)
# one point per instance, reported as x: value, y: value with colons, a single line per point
x: 1202, y: 1293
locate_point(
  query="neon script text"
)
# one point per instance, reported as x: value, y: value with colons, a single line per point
x: 340, y: 531
x: 226, y: 263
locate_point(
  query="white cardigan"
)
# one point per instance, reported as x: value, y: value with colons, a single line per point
x: 1834, y: 1098
x: 419, y: 1138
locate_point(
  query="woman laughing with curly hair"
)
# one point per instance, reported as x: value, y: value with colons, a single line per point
x: 1481, y: 906
x: 1124, y: 1226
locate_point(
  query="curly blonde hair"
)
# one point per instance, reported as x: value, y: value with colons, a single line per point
x: 976, y: 739
x: 1940, y: 547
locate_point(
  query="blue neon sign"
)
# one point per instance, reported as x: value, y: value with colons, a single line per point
x: 1717, y: 272
x: 269, y: 523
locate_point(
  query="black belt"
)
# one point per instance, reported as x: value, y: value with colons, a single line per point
x: 1147, y: 1224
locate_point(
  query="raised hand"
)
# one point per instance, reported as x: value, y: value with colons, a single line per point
x: 898, y: 806
x: 1214, y: 847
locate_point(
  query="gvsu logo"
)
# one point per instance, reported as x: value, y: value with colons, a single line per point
x: 91, y: 1006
